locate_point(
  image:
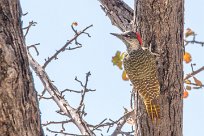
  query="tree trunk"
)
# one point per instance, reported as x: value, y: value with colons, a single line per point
x: 19, y: 112
x: 160, y: 23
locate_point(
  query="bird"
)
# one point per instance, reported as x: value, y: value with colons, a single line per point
x: 140, y: 66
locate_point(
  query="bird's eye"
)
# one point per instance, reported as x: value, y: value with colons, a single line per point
x: 127, y: 36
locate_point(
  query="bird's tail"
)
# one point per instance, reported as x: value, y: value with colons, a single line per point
x: 153, y: 109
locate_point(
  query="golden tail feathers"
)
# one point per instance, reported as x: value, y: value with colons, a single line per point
x: 153, y: 109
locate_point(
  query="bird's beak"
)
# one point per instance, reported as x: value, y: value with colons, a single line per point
x: 117, y: 35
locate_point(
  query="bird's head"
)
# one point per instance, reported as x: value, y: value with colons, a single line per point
x: 131, y: 39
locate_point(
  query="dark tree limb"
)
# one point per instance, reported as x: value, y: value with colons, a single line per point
x: 120, y: 14
x: 193, y: 41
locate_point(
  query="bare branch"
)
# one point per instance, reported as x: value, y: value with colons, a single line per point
x: 31, y: 23
x: 24, y: 14
x: 73, y: 48
x: 56, y: 122
x: 193, y: 41
x: 69, y: 90
x: 80, y: 82
x: 194, y: 73
x: 42, y: 97
x: 196, y: 86
x: 34, y: 46
x: 192, y: 67
x: 54, y: 56
x: 81, y: 104
x: 64, y: 133
x: 99, y: 125
x: 42, y: 94
x: 59, y: 99
x: 75, y: 31
x: 61, y: 112
x: 121, y: 122
x: 75, y: 91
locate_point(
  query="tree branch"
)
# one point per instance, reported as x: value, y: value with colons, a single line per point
x: 64, y: 133
x: 120, y: 14
x: 34, y: 46
x: 77, y: 34
x: 59, y: 99
x: 194, y: 73
x: 31, y: 23
x: 121, y: 122
x: 56, y: 122
x: 81, y: 104
x: 193, y: 41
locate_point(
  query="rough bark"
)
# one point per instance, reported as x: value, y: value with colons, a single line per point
x: 161, y: 26
x: 120, y: 14
x: 19, y: 112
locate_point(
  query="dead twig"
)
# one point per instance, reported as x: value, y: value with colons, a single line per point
x: 61, y: 132
x: 84, y: 90
x: 31, y: 23
x: 57, y: 122
x: 54, y: 56
x: 193, y: 42
x: 194, y: 73
x: 34, y: 46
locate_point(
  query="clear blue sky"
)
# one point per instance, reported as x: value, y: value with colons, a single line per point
x: 53, y: 30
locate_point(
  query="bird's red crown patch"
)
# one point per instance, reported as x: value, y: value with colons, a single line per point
x: 139, y: 38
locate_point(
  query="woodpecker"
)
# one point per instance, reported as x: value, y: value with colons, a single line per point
x: 140, y: 66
